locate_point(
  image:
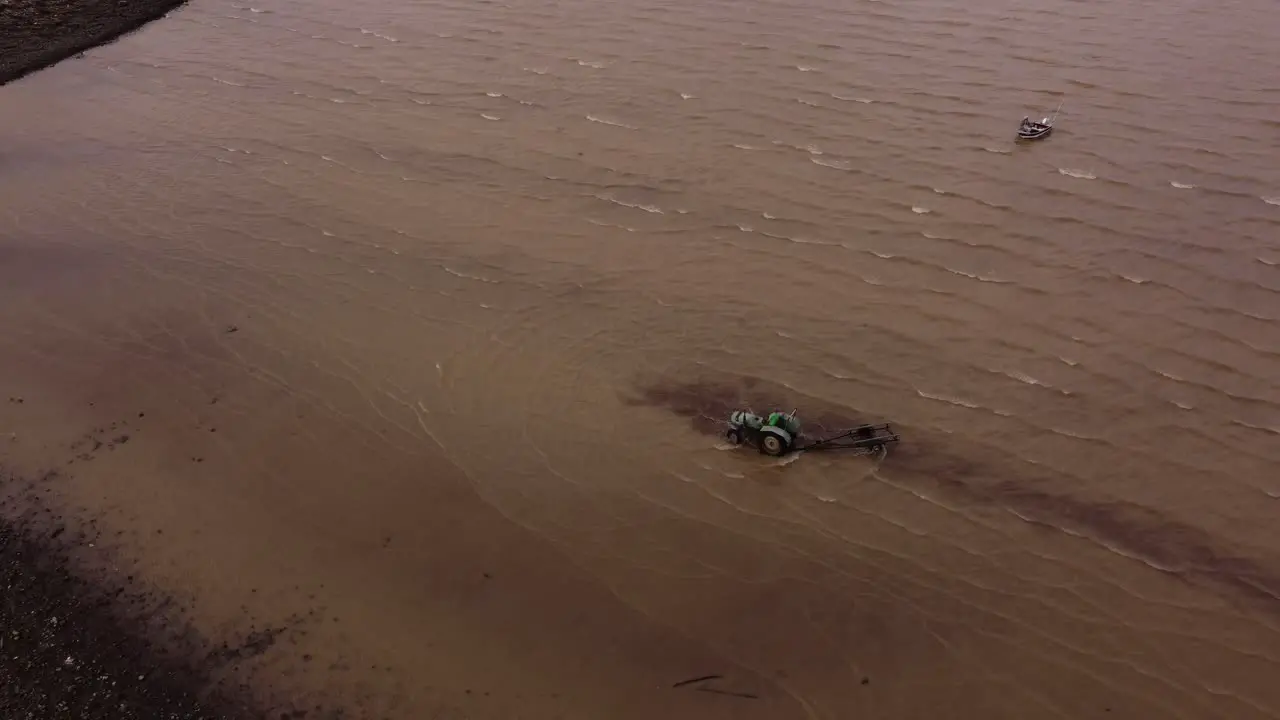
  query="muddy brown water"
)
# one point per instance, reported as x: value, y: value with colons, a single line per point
x: 420, y: 319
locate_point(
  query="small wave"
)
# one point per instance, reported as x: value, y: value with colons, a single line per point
x: 1170, y: 376
x: 919, y: 210
x: 979, y: 278
x: 745, y: 228
x: 595, y: 119
x: 1135, y: 280
x: 740, y: 146
x: 1251, y: 426
x: 883, y: 256
x: 1265, y: 261
x: 1181, y: 186
x: 487, y: 116
x: 806, y: 241
x: 1271, y: 200
x: 767, y: 216
x: 834, y: 164
x: 1183, y: 406
x: 1024, y: 378
x: 1028, y: 380
x: 940, y: 191
x: 687, y: 96
x: 864, y: 101
x: 998, y: 151
x: 494, y: 94
x: 601, y: 223
x: 805, y: 68
x: 536, y: 71
x: 420, y: 102
x: 810, y: 103
x: 948, y: 400
x: 595, y: 64
x: 647, y: 208
x: 378, y: 35
x: 225, y: 82
x: 1081, y: 174
x: 1068, y: 361
x: 465, y: 276
x: 789, y: 458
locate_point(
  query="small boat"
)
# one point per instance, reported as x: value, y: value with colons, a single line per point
x: 1032, y: 130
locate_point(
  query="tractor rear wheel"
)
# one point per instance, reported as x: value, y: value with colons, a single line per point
x: 773, y: 444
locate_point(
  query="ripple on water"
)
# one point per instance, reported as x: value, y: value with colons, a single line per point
x: 1079, y: 174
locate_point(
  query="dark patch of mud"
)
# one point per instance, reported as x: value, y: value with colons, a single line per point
x: 76, y: 642
x: 931, y: 462
x: 35, y: 34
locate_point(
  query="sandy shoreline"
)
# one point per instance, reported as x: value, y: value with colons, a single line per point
x: 35, y: 34
x: 76, y: 640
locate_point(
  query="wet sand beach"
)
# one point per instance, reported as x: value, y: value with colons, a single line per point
x: 400, y: 335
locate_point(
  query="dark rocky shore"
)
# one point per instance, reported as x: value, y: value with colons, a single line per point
x: 35, y: 34
x: 75, y: 648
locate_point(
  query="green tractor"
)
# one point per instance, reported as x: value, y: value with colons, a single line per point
x: 779, y: 433
x: 775, y: 434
